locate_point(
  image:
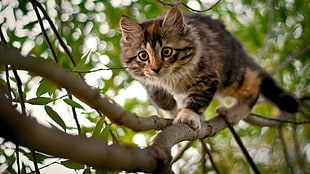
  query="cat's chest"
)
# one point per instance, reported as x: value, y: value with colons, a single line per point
x: 177, y: 86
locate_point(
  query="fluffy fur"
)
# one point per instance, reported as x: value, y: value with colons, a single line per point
x: 185, y: 59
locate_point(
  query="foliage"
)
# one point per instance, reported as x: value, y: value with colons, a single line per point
x: 272, y: 31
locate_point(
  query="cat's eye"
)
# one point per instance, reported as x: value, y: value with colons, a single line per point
x: 143, y: 55
x: 166, y: 52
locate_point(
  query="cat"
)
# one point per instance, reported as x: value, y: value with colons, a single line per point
x: 184, y: 60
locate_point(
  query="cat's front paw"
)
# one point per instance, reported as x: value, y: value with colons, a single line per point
x: 188, y: 117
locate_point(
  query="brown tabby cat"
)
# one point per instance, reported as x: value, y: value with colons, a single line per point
x: 184, y: 60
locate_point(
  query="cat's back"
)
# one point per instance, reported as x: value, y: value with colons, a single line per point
x: 222, y: 49
x: 212, y: 31
x: 204, y: 21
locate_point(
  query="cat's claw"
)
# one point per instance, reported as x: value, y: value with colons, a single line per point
x: 192, y: 119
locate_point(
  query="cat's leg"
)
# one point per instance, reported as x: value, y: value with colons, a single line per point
x: 237, y: 111
x: 246, y: 94
x: 198, y: 98
x: 189, y: 117
x: 164, y: 100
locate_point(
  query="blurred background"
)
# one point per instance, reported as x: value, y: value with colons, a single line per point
x: 276, y: 34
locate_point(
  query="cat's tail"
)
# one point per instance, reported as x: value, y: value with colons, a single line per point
x: 277, y: 95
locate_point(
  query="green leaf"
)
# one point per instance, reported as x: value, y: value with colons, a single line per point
x: 104, y: 135
x: 73, y: 103
x: 30, y: 25
x: 101, y: 171
x: 40, y: 101
x: 72, y: 165
x: 44, y: 87
x: 81, y: 65
x: 87, y: 171
x: 54, y: 116
x: 98, y: 128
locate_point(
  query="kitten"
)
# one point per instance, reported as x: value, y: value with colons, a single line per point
x: 185, y: 59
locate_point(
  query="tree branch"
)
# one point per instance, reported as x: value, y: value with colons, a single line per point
x: 266, y: 121
x: 181, y: 152
x: 208, y: 151
x: 93, y: 152
x: 25, y: 131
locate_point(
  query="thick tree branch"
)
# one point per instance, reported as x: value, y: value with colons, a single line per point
x: 90, y: 151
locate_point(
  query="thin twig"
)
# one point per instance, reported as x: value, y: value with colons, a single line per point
x: 181, y: 152
x: 75, y: 115
x: 296, y: 149
x: 35, y: 161
x: 47, y: 165
x: 96, y: 70
x: 279, y: 120
x: 62, y: 43
x: 203, y: 156
x: 43, y: 31
x: 285, y: 151
x: 207, y: 150
x: 2, y: 36
x: 244, y: 150
x: 20, y: 91
x: 184, y: 4
x: 17, y: 158
x: 200, y: 11
x: 288, y: 59
x: 7, y: 76
x: 242, y: 147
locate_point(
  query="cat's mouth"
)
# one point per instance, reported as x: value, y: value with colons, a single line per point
x: 155, y: 74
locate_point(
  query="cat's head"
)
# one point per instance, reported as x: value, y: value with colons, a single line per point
x: 157, y: 48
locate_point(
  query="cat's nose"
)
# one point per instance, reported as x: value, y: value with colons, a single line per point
x: 156, y: 69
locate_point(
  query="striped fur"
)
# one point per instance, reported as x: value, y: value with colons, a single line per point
x: 184, y: 60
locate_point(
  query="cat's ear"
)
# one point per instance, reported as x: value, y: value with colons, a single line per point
x: 174, y: 18
x: 130, y: 29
